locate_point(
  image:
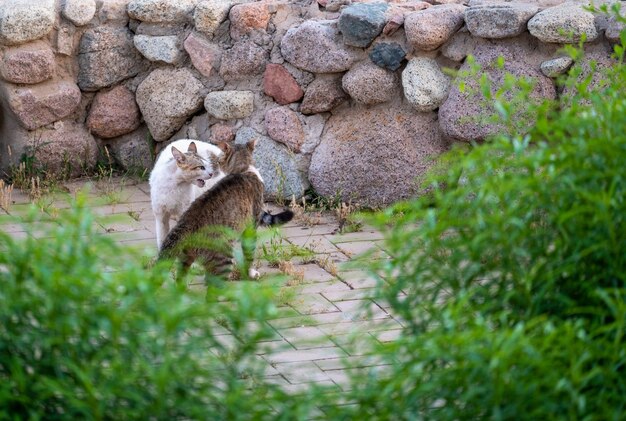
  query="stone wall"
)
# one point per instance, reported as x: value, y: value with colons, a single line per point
x: 348, y: 97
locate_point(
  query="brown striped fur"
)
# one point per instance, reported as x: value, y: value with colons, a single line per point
x: 233, y: 202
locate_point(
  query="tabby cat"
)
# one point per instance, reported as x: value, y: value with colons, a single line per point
x: 234, y: 202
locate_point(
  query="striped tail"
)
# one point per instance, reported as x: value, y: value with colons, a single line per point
x: 280, y: 218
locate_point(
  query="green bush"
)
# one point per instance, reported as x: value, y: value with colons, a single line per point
x: 510, y: 278
x: 87, y: 333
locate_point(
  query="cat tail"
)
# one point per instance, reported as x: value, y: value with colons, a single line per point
x: 277, y: 219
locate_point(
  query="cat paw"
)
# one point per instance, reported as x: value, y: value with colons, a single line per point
x: 254, y: 274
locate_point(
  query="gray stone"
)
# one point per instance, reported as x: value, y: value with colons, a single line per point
x: 44, y: 103
x: 370, y: 84
x: 563, y: 24
x: 243, y: 60
x: 210, y: 14
x: 315, y: 46
x: 428, y: 29
x: 459, y: 46
x: 113, y: 11
x: 165, y: 48
x: 361, y: 23
x: 615, y: 27
x: 79, y: 12
x: 22, y: 20
x: 372, y: 156
x: 556, y: 66
x: 501, y: 20
x: 161, y: 11
x: 388, y: 55
x: 425, y: 85
x: 593, y: 68
x: 107, y: 56
x: 229, y: 105
x: 466, y: 115
x: 29, y: 63
x: 323, y: 94
x: 159, y: 29
x: 168, y: 97
x: 132, y: 151
x: 278, y: 166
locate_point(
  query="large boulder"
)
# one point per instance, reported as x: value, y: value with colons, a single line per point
x: 316, y: 46
x: 278, y: 166
x: 24, y: 20
x: 67, y: 149
x: 428, y: 29
x: 106, y: 56
x: 425, y: 85
x: 369, y: 84
x: 168, y: 97
x: 28, y: 64
x: 209, y: 15
x: 44, y: 103
x: 161, y: 11
x: 373, y: 156
x: 247, y: 18
x: 466, y: 115
x: 361, y: 23
x: 388, y: 55
x: 113, y: 113
x: 563, y: 24
x: 499, y: 20
x: 132, y: 151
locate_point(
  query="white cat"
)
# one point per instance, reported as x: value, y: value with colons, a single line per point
x: 180, y: 177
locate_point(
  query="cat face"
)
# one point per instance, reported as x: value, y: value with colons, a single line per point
x: 194, y: 168
x: 236, y: 158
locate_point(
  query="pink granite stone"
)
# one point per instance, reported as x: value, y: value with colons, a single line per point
x: 280, y: 85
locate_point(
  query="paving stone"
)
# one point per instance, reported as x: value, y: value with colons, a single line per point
x: 387, y: 335
x: 350, y: 294
x: 358, y: 279
x: 306, y: 337
x: 305, y: 355
x: 309, y: 320
x: 301, y: 372
x: 316, y: 287
x: 312, y: 304
x: 317, y: 243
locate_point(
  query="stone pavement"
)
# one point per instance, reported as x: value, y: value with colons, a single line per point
x: 328, y: 308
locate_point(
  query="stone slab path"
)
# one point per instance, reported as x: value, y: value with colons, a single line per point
x: 330, y: 307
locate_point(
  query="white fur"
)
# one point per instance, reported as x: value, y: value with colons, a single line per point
x: 170, y: 193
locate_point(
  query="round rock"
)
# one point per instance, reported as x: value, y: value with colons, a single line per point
x: 284, y: 126
x: 132, y: 151
x: 322, y: 95
x: 229, y: 105
x: 113, y: 113
x: 361, y: 23
x: 370, y: 84
x: 563, y: 24
x: 500, y: 20
x: 166, y: 98
x: 44, y: 103
x: 248, y: 17
x: 161, y: 11
x: 28, y: 64
x: 79, y: 12
x: 165, y: 49
x: 24, y: 20
x: 209, y: 15
x: 556, y: 66
x: 428, y: 29
x: 388, y: 55
x: 425, y: 85
x: 244, y: 60
x: 204, y: 55
x: 375, y: 163
x: 315, y: 46
x: 281, y: 85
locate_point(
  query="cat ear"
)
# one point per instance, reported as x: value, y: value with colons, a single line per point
x: 192, y: 148
x: 224, y: 146
x: 178, y: 155
x: 250, y: 145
